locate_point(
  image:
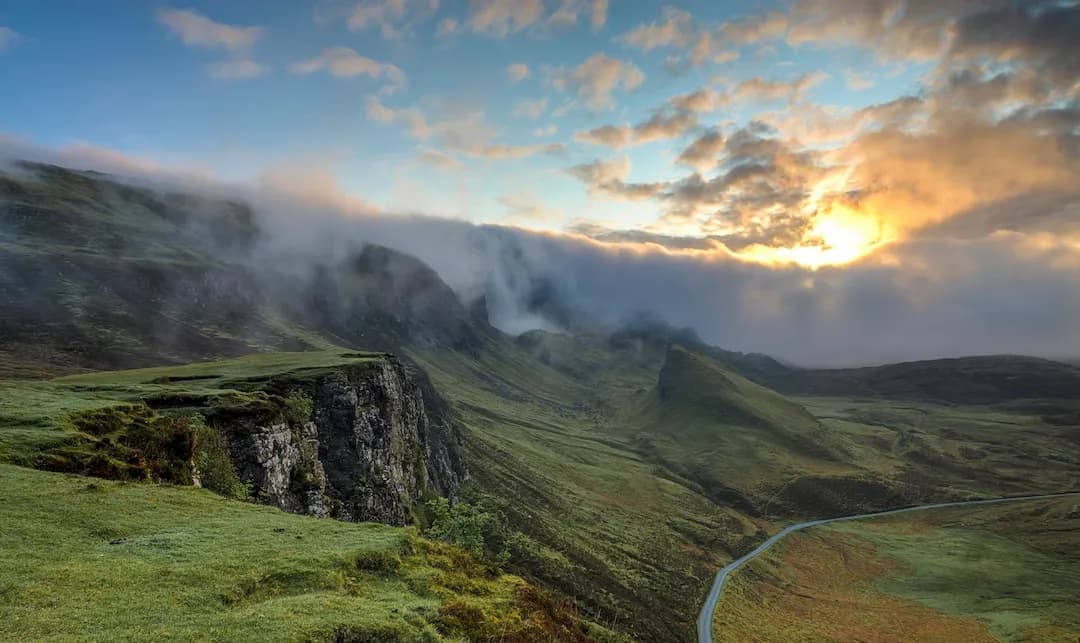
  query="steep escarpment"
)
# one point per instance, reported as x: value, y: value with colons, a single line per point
x: 368, y: 450
x: 353, y: 436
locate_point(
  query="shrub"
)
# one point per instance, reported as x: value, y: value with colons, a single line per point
x: 461, y: 524
x: 379, y: 561
x: 216, y: 470
x: 298, y: 407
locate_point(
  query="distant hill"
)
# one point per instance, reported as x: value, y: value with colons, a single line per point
x: 95, y: 273
x: 965, y: 380
x: 633, y: 460
x: 740, y: 441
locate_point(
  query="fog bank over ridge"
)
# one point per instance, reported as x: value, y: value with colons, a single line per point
x: 946, y: 292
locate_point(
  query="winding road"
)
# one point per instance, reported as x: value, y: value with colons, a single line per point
x: 705, y: 619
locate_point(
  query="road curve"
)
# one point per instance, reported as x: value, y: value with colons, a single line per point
x: 704, y: 624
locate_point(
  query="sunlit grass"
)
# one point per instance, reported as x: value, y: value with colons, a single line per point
x: 85, y: 559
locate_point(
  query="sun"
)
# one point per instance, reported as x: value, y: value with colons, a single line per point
x: 837, y: 236
x: 845, y: 234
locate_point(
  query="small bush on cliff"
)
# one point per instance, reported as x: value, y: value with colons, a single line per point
x: 216, y: 470
x: 298, y: 408
x: 461, y: 524
x: 125, y: 442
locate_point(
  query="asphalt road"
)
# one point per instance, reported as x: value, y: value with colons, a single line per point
x: 705, y: 619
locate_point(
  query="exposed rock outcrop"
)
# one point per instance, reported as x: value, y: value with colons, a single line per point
x: 377, y: 441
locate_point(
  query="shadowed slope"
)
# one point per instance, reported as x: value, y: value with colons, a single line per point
x: 743, y: 443
x: 102, y: 275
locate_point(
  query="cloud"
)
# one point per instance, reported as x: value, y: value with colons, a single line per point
x: 759, y: 193
x: 676, y: 28
x: 660, y: 126
x: 8, y: 38
x: 608, y: 178
x: 531, y: 109
x: 1040, y: 34
x: 343, y: 62
x: 500, y: 18
x: 703, y: 154
x: 726, y: 56
x: 699, y: 43
x: 197, y: 30
x: 925, y: 298
x: 568, y: 12
x: 914, y: 30
x: 596, y: 79
x: 500, y: 151
x: 969, y: 142
x: 949, y: 293
x: 609, y: 135
x: 460, y: 130
x: 702, y: 101
x: 391, y: 17
x: 993, y: 122
x: 956, y: 164
x: 752, y: 29
x: 517, y: 72
x: 527, y: 211
x: 857, y: 81
x: 448, y: 27
x: 599, y: 14
x: 440, y: 160
x: 761, y: 90
x: 953, y: 210
x: 81, y: 155
x: 238, y: 69
x: 410, y: 118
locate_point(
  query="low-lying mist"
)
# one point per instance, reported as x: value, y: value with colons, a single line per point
x: 931, y: 296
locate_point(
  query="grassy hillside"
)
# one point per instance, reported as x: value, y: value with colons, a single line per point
x: 582, y: 510
x: 617, y: 472
x: 942, y: 450
x: 997, y: 573
x: 98, y: 274
x: 739, y: 440
x: 597, y: 456
x: 85, y: 559
x: 43, y: 418
x: 987, y: 379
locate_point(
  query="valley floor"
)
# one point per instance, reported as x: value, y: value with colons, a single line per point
x: 992, y: 573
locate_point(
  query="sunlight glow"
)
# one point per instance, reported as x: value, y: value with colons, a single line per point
x: 839, y: 233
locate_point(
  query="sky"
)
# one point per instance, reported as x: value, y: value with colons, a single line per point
x: 905, y: 165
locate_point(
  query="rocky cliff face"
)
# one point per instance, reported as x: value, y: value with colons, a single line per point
x: 377, y: 440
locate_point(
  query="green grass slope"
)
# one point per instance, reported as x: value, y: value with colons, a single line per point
x: 40, y: 417
x: 742, y: 442
x: 637, y: 478
x: 939, y: 450
x: 993, y: 573
x: 580, y: 508
x: 619, y: 473
x: 84, y: 559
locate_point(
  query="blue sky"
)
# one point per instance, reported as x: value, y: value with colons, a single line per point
x: 844, y: 177
x: 772, y: 128
x: 115, y: 75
